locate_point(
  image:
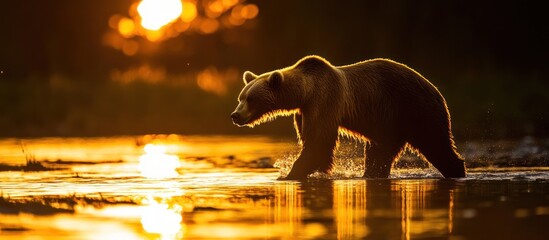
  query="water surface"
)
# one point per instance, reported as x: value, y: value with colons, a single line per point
x: 204, y: 187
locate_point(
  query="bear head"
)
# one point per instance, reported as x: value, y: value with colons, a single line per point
x: 261, y: 99
x: 281, y: 92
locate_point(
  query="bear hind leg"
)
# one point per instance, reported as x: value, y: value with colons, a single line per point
x: 380, y: 158
x: 443, y: 156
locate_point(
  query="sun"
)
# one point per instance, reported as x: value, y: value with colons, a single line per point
x: 157, y: 13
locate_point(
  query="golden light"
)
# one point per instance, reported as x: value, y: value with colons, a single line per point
x: 249, y: 11
x: 214, y: 9
x: 154, y: 36
x: 350, y: 209
x: 157, y: 13
x: 159, y: 218
x: 126, y: 27
x: 156, y: 163
x: 413, y: 198
x: 130, y: 47
x: 190, y: 12
x: 229, y: 3
x: 288, y: 207
x: 159, y: 20
x: 215, y: 81
x: 209, y: 25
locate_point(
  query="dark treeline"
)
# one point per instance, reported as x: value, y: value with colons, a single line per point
x: 488, y: 58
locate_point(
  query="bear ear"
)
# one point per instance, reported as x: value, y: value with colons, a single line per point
x: 248, y: 77
x: 275, y: 79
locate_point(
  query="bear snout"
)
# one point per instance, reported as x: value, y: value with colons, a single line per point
x: 237, y: 119
x: 235, y: 116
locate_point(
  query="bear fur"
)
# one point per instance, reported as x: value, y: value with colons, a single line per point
x: 380, y: 101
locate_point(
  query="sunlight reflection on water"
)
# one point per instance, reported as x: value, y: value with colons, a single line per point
x: 162, y: 219
x: 157, y: 163
x: 218, y: 187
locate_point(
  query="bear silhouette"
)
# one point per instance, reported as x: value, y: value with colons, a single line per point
x: 379, y: 101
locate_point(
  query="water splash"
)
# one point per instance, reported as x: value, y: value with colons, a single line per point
x: 349, y: 163
x: 284, y: 164
x: 414, y: 173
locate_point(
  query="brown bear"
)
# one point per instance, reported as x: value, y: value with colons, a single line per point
x: 380, y: 101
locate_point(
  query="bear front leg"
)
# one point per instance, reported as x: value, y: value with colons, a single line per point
x: 302, y: 167
x: 318, y: 147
